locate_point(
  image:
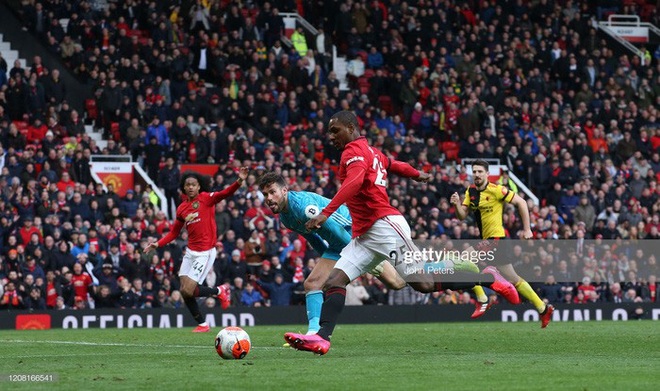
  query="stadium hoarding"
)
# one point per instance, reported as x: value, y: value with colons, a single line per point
x: 245, y: 317
x: 568, y: 261
x: 118, y: 174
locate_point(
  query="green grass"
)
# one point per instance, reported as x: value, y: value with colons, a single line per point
x: 447, y: 356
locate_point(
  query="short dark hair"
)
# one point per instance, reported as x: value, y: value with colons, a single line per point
x: 480, y: 162
x: 269, y: 178
x: 203, y: 180
x: 347, y: 118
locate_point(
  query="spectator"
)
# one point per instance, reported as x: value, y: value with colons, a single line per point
x: 176, y: 300
x: 279, y: 291
x: 105, y: 298
x: 650, y: 290
x: 255, y: 251
x: 237, y: 267
x: 31, y: 267
x: 551, y: 291
x: 108, y: 278
x: 356, y: 294
x: 168, y: 179
x: 631, y: 297
x: 299, y: 41
x: 237, y: 291
x: 251, y: 297
x: 11, y: 299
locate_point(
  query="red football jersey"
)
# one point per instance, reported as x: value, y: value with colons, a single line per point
x: 363, y: 168
x: 51, y: 295
x: 80, y: 284
x: 198, y: 216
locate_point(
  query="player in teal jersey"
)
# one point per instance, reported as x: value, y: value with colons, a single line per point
x: 295, y: 208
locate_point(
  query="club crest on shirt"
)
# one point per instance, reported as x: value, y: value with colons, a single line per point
x: 195, y: 204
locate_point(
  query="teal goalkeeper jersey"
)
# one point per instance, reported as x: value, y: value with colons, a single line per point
x: 332, y: 237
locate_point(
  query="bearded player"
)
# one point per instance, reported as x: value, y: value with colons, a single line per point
x: 487, y: 201
x: 197, y: 214
x: 295, y: 208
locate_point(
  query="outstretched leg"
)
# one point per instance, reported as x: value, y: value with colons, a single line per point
x: 335, y: 299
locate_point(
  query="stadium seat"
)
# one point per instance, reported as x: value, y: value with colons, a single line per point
x: 192, y: 153
x: 288, y: 132
x: 114, y: 131
x: 363, y: 56
x: 20, y: 125
x: 91, y: 109
x: 364, y: 85
x: 385, y: 103
x: 369, y: 73
x: 450, y: 150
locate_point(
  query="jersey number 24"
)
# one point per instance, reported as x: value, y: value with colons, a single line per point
x: 381, y: 174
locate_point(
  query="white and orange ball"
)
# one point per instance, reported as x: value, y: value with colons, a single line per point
x: 232, y: 343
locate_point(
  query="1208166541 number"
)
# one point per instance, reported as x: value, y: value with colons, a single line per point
x: 28, y: 377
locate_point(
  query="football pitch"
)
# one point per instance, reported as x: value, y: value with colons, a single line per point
x: 441, y: 356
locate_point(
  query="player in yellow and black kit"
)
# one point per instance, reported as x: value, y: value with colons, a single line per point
x: 487, y: 200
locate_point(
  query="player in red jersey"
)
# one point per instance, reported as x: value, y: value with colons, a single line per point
x: 380, y: 232
x: 197, y: 214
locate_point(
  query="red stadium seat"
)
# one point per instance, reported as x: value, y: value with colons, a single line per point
x: 363, y: 85
x: 385, y: 103
x: 192, y: 153
x: 451, y: 149
x: 20, y: 124
x: 114, y: 131
x: 363, y: 56
x: 91, y: 109
x: 369, y: 73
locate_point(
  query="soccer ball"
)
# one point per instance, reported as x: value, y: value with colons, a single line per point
x: 232, y: 343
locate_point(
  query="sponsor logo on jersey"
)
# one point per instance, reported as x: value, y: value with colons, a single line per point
x: 355, y: 159
x: 191, y: 217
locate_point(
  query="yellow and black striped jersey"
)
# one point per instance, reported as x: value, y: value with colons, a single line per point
x: 488, y: 206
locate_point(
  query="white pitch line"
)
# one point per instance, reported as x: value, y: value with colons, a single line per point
x: 87, y: 354
x: 120, y: 344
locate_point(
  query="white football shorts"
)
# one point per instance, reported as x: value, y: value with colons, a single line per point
x: 387, y: 240
x: 197, y: 264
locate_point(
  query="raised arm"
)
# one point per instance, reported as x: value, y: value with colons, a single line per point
x: 218, y: 196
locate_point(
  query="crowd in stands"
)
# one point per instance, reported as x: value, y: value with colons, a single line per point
x: 533, y: 84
